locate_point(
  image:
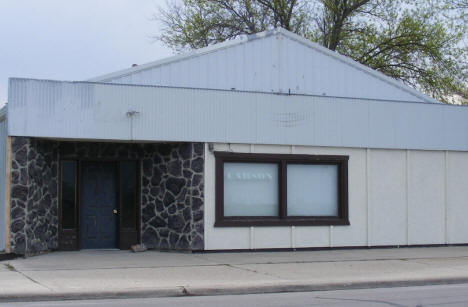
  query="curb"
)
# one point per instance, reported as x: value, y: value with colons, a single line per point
x: 179, y: 291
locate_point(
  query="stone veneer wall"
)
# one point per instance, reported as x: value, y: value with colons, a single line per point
x: 34, y: 197
x: 171, y: 191
x: 173, y: 197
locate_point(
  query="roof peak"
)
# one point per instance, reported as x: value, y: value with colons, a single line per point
x: 261, y: 35
x: 192, y: 53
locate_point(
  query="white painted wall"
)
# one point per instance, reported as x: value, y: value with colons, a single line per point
x: 396, y: 197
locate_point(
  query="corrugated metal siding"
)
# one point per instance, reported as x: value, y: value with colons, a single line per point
x: 98, y: 111
x: 3, y: 137
x: 275, y: 63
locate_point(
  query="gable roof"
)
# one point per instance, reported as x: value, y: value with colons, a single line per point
x: 334, y: 74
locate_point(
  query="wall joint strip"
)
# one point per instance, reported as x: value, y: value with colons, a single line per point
x: 407, y: 194
x: 446, y: 176
x: 368, y: 197
x: 252, y: 238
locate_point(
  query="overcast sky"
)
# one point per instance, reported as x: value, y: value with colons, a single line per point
x: 75, y: 39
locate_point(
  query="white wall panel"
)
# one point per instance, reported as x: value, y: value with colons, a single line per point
x: 457, y: 197
x: 387, y: 197
x: 227, y: 238
x: 272, y: 237
x: 426, y: 197
x: 305, y: 236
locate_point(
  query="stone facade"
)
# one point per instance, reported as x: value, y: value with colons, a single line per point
x: 171, y: 191
x: 34, y: 197
x: 172, y: 197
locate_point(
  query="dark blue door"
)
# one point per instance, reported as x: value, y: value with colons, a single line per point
x: 98, y: 220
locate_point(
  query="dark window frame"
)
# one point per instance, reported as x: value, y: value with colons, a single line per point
x: 282, y: 160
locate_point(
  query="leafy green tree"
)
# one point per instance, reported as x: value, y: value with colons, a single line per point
x: 423, y: 43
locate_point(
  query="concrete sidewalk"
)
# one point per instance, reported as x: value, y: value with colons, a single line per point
x: 111, y: 274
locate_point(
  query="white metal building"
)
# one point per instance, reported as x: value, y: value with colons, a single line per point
x: 269, y: 141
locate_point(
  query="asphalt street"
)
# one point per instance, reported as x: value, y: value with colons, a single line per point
x: 441, y: 295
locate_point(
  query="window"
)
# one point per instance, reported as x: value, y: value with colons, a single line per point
x: 128, y: 193
x: 68, y: 194
x: 312, y: 190
x: 280, y: 190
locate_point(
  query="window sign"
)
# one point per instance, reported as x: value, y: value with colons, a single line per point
x: 250, y: 189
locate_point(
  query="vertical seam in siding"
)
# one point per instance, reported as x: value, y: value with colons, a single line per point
x: 368, y: 125
x: 407, y: 194
x: 368, y: 197
x: 293, y: 244
x: 446, y: 197
x: 292, y: 150
x: 251, y: 238
x: 256, y: 119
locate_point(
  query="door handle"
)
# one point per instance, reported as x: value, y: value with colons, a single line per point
x: 115, y: 211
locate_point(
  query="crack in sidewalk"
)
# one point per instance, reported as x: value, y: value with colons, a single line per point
x: 211, y: 260
x: 361, y: 300
x: 252, y: 271
x: 13, y: 269
x: 216, y: 263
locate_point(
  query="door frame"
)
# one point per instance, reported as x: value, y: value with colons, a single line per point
x: 69, y: 239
